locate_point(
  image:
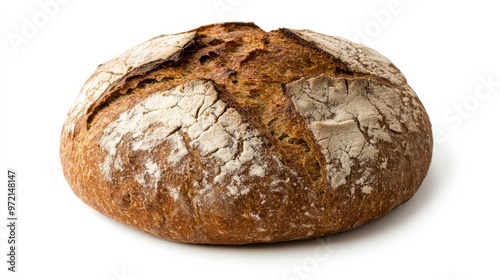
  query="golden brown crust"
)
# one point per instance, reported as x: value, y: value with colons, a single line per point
x: 227, y: 134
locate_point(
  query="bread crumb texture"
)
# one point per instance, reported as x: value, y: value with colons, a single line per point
x: 228, y: 134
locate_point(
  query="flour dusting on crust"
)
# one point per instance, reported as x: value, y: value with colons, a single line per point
x: 357, y: 57
x: 139, y: 58
x: 189, y: 116
x: 348, y: 119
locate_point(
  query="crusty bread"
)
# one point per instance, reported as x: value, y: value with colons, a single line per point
x: 227, y: 134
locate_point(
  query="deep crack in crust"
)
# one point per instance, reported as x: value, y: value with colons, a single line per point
x: 227, y: 134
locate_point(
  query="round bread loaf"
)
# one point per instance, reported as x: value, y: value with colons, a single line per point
x: 228, y: 134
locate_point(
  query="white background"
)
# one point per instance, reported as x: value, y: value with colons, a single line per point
x: 447, y: 50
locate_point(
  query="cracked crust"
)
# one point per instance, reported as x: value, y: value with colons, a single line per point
x: 227, y: 134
